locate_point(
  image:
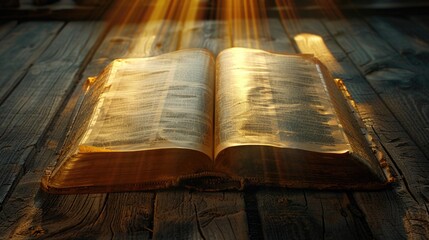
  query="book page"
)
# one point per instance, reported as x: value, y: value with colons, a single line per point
x: 274, y: 100
x: 153, y: 103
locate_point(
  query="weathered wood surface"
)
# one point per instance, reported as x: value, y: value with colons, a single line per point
x: 28, y: 111
x: 20, y: 49
x: 398, y: 75
x: 402, y: 85
x: 401, y: 93
x: 185, y: 215
x: 300, y: 214
x: 270, y: 213
x: 410, y: 43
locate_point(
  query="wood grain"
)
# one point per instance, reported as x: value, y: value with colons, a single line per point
x: 20, y: 49
x: 400, y: 75
x: 397, y: 83
x: 411, y: 89
x: 29, y: 110
x: 295, y: 214
x: 195, y: 215
x: 393, y: 79
x: 406, y: 37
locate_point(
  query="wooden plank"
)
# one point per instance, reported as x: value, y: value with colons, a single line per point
x: 286, y: 215
x: 112, y: 216
x: 399, y: 86
x: 411, y: 88
x: 393, y: 214
x: 398, y: 145
x: 20, y: 49
x: 23, y: 214
x: 197, y: 215
x: 399, y: 78
x: 29, y: 110
x: 408, y: 39
x: 119, y: 215
x: 294, y: 214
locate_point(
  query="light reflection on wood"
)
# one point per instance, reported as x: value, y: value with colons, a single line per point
x: 314, y: 44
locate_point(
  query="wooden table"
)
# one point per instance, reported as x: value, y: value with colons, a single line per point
x: 383, y: 61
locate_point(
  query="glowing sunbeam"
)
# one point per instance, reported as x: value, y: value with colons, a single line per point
x: 168, y: 25
x: 246, y: 22
x: 314, y: 44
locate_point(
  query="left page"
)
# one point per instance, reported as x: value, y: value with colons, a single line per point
x: 143, y: 123
x: 153, y: 103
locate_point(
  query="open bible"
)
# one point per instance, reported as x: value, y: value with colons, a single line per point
x: 247, y: 118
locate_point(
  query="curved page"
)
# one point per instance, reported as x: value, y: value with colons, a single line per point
x: 158, y: 102
x: 275, y: 100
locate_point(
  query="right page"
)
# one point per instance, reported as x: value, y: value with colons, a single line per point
x: 281, y: 120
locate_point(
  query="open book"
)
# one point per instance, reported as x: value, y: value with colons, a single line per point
x: 248, y: 118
